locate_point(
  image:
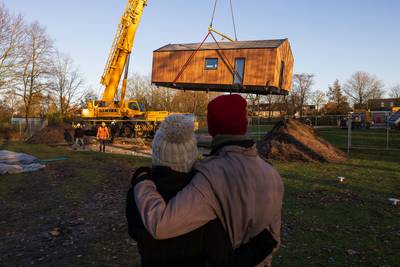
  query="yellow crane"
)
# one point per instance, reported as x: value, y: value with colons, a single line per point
x: 128, y: 116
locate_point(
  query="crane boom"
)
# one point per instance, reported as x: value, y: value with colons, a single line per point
x: 121, y: 49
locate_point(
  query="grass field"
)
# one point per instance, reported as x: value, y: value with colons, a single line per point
x: 325, y: 223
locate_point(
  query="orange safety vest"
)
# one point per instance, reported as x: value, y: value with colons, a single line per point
x: 102, y: 133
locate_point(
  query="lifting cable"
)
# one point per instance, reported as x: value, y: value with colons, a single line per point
x: 233, y: 20
x: 223, y: 56
x: 213, y: 14
x: 232, y: 15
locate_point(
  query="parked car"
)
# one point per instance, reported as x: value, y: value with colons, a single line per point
x: 394, y: 120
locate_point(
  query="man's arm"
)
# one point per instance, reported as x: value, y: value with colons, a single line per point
x: 219, y: 253
x: 190, y: 209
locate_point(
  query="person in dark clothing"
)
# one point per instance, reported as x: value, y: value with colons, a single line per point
x: 174, y: 153
x: 79, y: 136
x: 113, y: 130
x: 67, y: 137
x: 205, y: 246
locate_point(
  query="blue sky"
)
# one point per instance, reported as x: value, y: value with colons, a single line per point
x: 331, y: 39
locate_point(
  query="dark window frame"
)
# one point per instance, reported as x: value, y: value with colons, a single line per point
x: 282, y: 75
x: 136, y: 105
x: 235, y: 72
x: 211, y: 58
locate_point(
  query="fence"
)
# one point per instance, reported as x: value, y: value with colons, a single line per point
x: 19, y: 126
x: 341, y: 131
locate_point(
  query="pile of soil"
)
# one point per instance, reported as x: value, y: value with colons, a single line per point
x: 53, y: 134
x: 291, y: 140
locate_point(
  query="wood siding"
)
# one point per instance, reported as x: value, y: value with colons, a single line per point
x: 284, y: 54
x: 262, y: 67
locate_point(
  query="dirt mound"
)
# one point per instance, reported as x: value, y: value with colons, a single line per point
x: 291, y: 140
x: 53, y: 134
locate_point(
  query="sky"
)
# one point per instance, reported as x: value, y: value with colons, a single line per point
x: 330, y: 38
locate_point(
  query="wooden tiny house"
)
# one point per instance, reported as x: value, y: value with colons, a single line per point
x: 262, y: 67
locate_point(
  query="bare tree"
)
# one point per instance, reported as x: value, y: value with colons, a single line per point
x: 318, y: 98
x: 254, y: 101
x: 12, y: 101
x: 282, y: 103
x: 11, y: 38
x: 192, y: 102
x: 336, y: 96
x: 301, y: 91
x: 161, y: 98
x: 34, y: 67
x: 65, y: 82
x: 140, y: 88
x: 272, y: 102
x: 155, y: 98
x: 362, y: 87
x: 85, y: 97
x: 395, y: 91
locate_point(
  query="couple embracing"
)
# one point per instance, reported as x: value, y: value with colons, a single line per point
x: 224, y: 210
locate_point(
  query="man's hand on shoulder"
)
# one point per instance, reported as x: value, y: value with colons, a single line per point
x: 141, y: 174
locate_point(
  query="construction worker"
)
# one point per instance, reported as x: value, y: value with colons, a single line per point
x: 114, y: 129
x: 78, y: 136
x: 102, y: 135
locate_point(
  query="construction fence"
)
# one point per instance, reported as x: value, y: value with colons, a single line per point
x: 21, y: 128
x: 339, y: 130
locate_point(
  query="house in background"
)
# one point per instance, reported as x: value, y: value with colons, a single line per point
x: 267, y: 110
x: 384, y: 104
x: 381, y: 110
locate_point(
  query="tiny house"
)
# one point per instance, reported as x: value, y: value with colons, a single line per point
x: 260, y: 67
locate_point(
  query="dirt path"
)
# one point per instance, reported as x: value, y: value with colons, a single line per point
x: 123, y: 150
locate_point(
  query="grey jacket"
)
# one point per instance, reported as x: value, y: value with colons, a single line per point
x: 235, y: 185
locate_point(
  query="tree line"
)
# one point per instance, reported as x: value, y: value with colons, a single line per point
x: 338, y: 99
x: 36, y: 79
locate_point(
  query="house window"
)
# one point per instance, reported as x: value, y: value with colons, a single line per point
x: 239, y: 70
x: 391, y: 104
x: 211, y: 63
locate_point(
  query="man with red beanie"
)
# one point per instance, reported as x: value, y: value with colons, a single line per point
x: 233, y: 184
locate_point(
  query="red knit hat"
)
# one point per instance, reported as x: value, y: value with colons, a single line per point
x: 227, y: 114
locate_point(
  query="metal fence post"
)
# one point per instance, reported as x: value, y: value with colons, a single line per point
x: 387, y: 132
x: 349, y: 122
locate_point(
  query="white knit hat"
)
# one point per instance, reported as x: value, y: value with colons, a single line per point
x: 174, y: 144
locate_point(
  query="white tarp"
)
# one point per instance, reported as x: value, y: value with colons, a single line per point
x: 12, y: 162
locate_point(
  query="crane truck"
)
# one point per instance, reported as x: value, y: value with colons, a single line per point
x: 128, y: 117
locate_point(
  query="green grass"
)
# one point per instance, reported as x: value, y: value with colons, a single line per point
x: 362, y: 138
x: 325, y: 223
x: 323, y: 219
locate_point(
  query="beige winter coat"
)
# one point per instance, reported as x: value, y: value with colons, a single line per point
x: 235, y: 185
